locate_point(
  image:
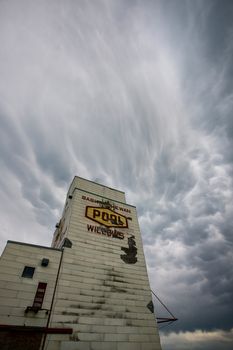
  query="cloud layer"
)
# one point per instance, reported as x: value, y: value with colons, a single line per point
x: 198, y: 340
x: 139, y: 96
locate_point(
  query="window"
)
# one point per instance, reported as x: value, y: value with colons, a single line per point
x: 28, y: 271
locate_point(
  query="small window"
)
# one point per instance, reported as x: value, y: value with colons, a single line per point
x: 28, y: 271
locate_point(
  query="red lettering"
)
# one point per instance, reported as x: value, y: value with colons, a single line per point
x: 121, y: 235
x: 106, y: 231
x: 105, y: 216
x: 109, y: 232
x: 103, y: 231
x: 96, y: 213
x: 113, y: 219
x: 119, y: 221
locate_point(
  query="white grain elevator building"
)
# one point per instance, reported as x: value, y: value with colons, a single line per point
x: 90, y: 290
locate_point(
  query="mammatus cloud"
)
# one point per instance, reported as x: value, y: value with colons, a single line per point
x: 139, y: 96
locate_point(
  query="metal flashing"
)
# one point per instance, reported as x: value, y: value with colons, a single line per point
x: 96, y: 183
x: 33, y: 245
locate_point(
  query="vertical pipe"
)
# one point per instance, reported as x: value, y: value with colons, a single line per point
x: 53, y: 297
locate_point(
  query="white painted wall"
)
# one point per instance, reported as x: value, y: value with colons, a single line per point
x: 101, y: 297
x: 17, y: 292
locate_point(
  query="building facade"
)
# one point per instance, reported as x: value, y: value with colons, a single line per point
x: 90, y: 290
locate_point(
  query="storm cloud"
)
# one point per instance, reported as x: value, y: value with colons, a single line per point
x: 138, y: 96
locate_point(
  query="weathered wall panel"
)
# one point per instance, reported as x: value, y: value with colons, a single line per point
x: 103, y: 288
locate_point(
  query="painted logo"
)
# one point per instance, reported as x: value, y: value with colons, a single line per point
x: 106, y: 217
x: 130, y: 253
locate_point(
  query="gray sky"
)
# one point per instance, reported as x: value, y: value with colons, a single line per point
x: 137, y: 95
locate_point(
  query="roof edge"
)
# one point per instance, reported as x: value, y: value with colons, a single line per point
x: 96, y: 183
x: 33, y: 245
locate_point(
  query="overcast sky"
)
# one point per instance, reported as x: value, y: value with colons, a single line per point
x: 136, y: 95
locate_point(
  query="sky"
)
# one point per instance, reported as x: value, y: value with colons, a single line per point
x: 136, y: 95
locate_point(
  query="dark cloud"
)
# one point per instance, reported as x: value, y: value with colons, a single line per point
x: 138, y: 96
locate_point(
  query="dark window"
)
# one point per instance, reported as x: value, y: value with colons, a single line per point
x: 28, y: 271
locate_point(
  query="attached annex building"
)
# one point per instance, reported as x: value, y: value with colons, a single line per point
x: 90, y: 290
